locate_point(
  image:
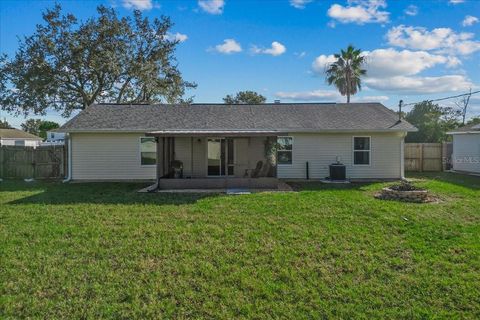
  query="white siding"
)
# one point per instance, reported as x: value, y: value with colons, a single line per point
x: 320, y: 150
x: 466, y: 152
x: 108, y: 156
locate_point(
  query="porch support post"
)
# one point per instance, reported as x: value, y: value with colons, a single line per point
x: 159, y: 158
x: 274, y: 142
x: 166, y: 149
x: 191, y: 157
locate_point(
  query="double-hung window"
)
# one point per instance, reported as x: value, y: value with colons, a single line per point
x: 284, y: 150
x: 148, y: 151
x: 361, y: 150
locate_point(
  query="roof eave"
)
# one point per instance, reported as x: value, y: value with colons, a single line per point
x: 21, y: 138
x: 219, y: 131
x: 462, y: 132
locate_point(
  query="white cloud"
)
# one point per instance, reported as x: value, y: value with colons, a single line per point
x: 314, y: 95
x: 370, y: 99
x: 411, y: 10
x: 469, y: 21
x: 453, y: 62
x: 360, y: 12
x: 228, y: 46
x: 212, y: 6
x: 275, y: 50
x: 398, y: 71
x: 138, y: 4
x: 440, y: 39
x: 322, y: 62
x: 383, y: 63
x: 301, y: 54
x: 180, y: 37
x: 456, y: 1
x: 299, y: 4
x: 325, y: 95
x: 420, y: 85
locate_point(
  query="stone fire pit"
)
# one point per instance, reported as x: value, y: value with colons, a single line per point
x: 404, y: 191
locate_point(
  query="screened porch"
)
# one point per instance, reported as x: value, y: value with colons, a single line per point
x: 215, y: 159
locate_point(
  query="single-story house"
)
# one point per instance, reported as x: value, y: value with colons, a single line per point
x: 55, y: 137
x: 203, y: 141
x: 466, y: 148
x: 15, y: 137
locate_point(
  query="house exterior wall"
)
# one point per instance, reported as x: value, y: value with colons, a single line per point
x: 320, y: 150
x: 466, y: 152
x: 27, y: 142
x: 108, y: 156
x: 116, y: 156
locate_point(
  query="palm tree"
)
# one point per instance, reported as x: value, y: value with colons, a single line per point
x: 345, y: 73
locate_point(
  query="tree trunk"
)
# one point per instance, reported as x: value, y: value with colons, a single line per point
x: 348, y: 83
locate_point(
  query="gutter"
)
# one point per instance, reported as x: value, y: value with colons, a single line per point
x: 69, y: 158
x: 218, y: 131
x: 462, y: 132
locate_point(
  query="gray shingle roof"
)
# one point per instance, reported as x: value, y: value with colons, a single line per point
x: 221, y: 117
x: 17, y: 134
x: 468, y: 128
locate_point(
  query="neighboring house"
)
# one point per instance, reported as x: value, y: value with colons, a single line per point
x: 53, y: 136
x: 15, y: 137
x: 466, y: 148
x: 132, y: 142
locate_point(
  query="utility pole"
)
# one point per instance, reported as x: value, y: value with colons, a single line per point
x: 466, y: 100
x: 400, y: 103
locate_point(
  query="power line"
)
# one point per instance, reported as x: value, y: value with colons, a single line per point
x: 441, y: 99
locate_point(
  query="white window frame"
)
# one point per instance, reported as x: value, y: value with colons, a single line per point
x: 285, y: 164
x: 19, y: 143
x: 140, y: 152
x: 369, y: 151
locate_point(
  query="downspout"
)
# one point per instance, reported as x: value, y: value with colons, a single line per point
x: 402, y: 156
x: 69, y: 159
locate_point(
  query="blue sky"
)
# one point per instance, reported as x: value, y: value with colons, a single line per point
x: 415, y: 49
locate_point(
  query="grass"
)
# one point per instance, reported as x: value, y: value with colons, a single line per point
x: 329, y: 251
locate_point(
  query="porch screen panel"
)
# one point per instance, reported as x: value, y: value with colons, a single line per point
x: 230, y: 155
x: 214, y: 156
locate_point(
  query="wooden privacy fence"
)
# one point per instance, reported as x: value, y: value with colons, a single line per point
x: 43, y: 162
x: 427, y: 156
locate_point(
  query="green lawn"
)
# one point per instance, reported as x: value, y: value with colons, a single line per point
x: 329, y: 251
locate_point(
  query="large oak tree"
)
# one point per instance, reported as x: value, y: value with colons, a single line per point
x: 68, y: 64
